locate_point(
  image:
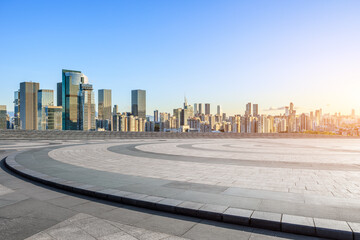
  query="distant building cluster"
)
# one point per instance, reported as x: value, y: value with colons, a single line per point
x: 194, y: 119
x: 35, y: 109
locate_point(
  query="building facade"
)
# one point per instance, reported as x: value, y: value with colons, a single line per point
x: 59, y: 94
x: 54, y: 114
x: 45, y: 99
x: 3, y: 117
x: 71, y: 81
x: 138, y: 103
x: 104, y: 109
x: 28, y: 105
x: 207, y: 108
x: 86, y: 108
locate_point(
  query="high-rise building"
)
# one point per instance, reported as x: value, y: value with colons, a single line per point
x: 104, y: 108
x: 186, y: 113
x: 156, y: 116
x: 291, y: 109
x: 286, y: 111
x: 45, y: 99
x: 218, y: 110
x: 200, y: 108
x: 71, y: 81
x: 28, y: 105
x: 115, y: 109
x: 3, y: 117
x: 207, y: 108
x: 138, y: 103
x: 177, y: 115
x: 195, y: 108
x: 54, y: 114
x: 248, y: 109
x: 255, y: 110
x: 17, y: 109
x: 87, y: 108
x: 59, y: 94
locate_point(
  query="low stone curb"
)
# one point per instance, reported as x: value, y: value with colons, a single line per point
x: 325, y: 228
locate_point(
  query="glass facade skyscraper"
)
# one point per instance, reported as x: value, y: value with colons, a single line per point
x: 71, y: 81
x: 45, y: 99
x: 138, y: 103
x: 104, y: 108
x: 16, y: 109
x: 59, y: 94
x: 86, y: 108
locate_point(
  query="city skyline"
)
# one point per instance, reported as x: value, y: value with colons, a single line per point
x: 304, y: 52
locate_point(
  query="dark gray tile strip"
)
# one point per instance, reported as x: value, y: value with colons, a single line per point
x: 280, y: 222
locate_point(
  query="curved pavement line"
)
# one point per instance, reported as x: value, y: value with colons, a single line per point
x: 131, y: 150
x: 266, y: 220
x: 231, y: 146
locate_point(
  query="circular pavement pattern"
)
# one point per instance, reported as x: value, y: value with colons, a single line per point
x: 307, y: 177
x: 325, y: 167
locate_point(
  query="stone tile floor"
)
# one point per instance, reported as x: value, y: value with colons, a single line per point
x: 34, y: 211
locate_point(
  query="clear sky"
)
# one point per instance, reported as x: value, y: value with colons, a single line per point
x: 222, y: 52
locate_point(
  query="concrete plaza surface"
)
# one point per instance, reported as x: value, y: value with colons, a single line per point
x: 277, y: 182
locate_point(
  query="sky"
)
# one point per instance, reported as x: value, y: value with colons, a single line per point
x: 224, y: 52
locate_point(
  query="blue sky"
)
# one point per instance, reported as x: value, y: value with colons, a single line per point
x: 222, y: 52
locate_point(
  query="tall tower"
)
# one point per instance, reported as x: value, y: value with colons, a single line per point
x: 115, y: 109
x: 104, y: 108
x: 45, y: 99
x: 195, y: 108
x: 86, y: 108
x: 200, y: 108
x: 28, y: 105
x: 291, y: 108
x: 71, y: 81
x: 207, y: 108
x: 255, y: 110
x: 156, y: 116
x: 138, y: 103
x: 59, y: 94
x: 248, y: 109
x: 17, y: 109
x: 218, y: 110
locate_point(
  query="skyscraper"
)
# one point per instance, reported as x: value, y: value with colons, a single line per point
x: 248, y: 109
x: 218, y: 110
x: 186, y: 113
x: 45, y: 99
x: 71, y: 81
x: 138, y: 103
x: 195, y: 108
x: 59, y: 94
x: 86, y: 108
x: 207, y: 108
x: 156, y: 116
x: 255, y: 110
x: 200, y: 108
x: 104, y: 108
x: 115, y: 109
x: 291, y: 108
x: 28, y: 105
x: 17, y: 109
x: 3, y: 116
